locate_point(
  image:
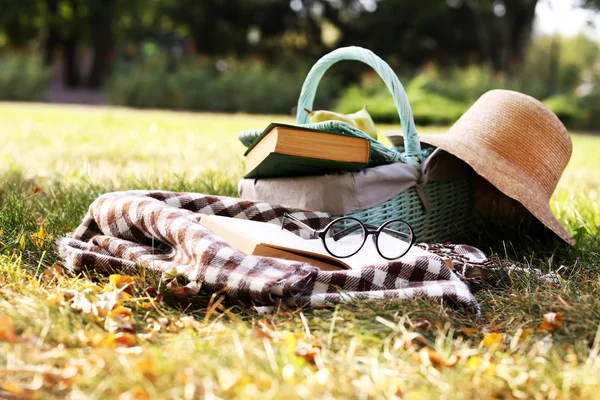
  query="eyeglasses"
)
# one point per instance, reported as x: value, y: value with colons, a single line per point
x: 345, y: 236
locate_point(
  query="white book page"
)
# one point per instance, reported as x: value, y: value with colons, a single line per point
x: 267, y: 233
x: 272, y: 234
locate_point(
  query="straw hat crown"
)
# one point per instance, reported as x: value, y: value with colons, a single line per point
x: 521, y: 130
x: 517, y: 144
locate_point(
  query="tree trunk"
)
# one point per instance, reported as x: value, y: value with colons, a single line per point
x: 102, y: 43
x: 522, y: 26
x: 52, y: 40
x: 503, y: 39
x: 482, y: 21
x: 71, y: 77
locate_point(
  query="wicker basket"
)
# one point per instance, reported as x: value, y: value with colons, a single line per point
x: 450, y: 203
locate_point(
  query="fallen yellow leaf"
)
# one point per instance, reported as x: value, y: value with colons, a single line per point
x: 21, y: 241
x: 137, y: 393
x: 431, y: 357
x: 309, y: 352
x: 8, y: 332
x: 55, y: 271
x: 146, y: 367
x: 468, y: 332
x: 110, y: 341
x: 551, y: 321
x: 119, y: 320
x: 55, y: 299
x: 19, y: 391
x: 123, y: 283
x: 40, y: 237
x: 409, y: 340
x: 492, y: 339
x: 526, y: 335
x: 125, y: 339
x: 119, y: 310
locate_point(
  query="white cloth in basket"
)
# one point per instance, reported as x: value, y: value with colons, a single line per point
x: 341, y: 193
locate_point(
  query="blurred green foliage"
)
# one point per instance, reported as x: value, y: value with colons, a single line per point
x: 563, y: 72
x: 215, y: 85
x: 23, y: 78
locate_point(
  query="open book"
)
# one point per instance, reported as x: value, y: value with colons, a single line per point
x: 269, y: 240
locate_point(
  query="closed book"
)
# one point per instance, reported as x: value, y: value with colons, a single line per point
x: 269, y: 240
x: 288, y: 150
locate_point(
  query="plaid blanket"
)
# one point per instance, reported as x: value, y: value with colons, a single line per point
x: 160, y: 231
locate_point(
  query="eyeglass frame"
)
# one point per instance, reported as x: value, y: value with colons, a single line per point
x: 367, y: 228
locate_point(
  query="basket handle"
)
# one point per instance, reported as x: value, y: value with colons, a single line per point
x: 309, y: 89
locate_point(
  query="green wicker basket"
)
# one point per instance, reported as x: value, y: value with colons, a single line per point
x: 450, y: 203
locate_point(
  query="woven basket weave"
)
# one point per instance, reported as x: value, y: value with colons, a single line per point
x: 450, y: 203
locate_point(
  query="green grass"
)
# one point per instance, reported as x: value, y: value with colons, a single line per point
x: 55, y: 160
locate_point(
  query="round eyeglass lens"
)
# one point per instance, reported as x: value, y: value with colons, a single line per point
x: 345, y: 237
x: 394, y: 239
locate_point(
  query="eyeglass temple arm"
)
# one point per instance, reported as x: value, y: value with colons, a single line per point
x: 349, y: 230
x: 297, y: 222
x: 391, y: 232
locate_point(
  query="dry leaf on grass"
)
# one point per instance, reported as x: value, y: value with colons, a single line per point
x: 8, y: 332
x: 110, y: 341
x: 52, y: 273
x: 409, y: 340
x: 191, y: 289
x: 58, y: 379
x: 119, y: 320
x: 156, y: 297
x: 525, y: 335
x: 551, y: 321
x: 468, y: 332
x: 125, y: 339
x: 19, y: 392
x: 146, y: 367
x: 41, y: 237
x: 431, y: 357
x: 137, y: 393
x: 423, y: 325
x: 492, y: 339
x: 309, y: 352
x: 122, y: 283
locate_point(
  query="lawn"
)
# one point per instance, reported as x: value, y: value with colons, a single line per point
x: 54, y: 160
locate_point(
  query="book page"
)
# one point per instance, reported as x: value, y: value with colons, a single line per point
x: 273, y: 235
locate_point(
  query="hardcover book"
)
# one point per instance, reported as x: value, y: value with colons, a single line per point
x: 287, y: 150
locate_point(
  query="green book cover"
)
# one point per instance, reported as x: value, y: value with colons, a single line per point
x: 281, y: 165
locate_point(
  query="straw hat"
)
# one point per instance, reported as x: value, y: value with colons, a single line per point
x: 517, y: 144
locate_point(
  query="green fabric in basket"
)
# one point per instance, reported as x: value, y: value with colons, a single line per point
x: 380, y: 153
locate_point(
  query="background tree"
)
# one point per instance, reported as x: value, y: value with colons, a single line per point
x: 409, y: 32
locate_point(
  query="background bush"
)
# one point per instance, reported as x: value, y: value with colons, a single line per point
x: 562, y: 72
x: 246, y: 86
x: 23, y: 78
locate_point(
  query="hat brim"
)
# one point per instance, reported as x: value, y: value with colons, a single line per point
x: 501, y: 173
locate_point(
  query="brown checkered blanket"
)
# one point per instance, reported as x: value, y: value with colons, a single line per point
x: 159, y: 231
